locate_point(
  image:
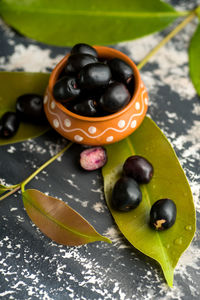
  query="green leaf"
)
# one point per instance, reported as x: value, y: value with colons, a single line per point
x: 14, y: 84
x: 194, y: 60
x: 58, y: 220
x: 66, y: 23
x: 169, y: 181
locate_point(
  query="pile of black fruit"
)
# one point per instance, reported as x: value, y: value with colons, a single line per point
x: 92, y: 86
x: 29, y: 108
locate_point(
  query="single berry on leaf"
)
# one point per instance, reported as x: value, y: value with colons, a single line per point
x: 29, y: 108
x: 66, y: 89
x: 9, y: 124
x: 163, y: 214
x: 139, y: 168
x: 126, y: 194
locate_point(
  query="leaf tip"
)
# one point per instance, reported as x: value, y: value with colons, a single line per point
x: 105, y: 239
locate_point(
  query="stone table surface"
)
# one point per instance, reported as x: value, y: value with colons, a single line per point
x: 34, y: 267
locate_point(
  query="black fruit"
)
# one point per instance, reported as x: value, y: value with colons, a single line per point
x: 29, y: 108
x: 121, y: 71
x: 126, y: 194
x: 116, y: 96
x: 84, y: 48
x: 77, y: 61
x: 66, y: 89
x: 85, y: 108
x: 138, y: 168
x: 162, y: 214
x: 9, y: 125
x: 93, y: 76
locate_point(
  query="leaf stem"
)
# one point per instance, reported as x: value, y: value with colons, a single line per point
x: 178, y: 28
x: 10, y: 192
x: 44, y: 166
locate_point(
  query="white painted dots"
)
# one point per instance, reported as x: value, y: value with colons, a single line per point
x: 109, y: 138
x: 133, y: 124
x: 92, y: 129
x: 45, y: 99
x: 121, y: 124
x: 53, y: 105
x: 78, y: 138
x: 55, y: 123
x: 137, y: 105
x: 67, y: 123
x: 146, y: 100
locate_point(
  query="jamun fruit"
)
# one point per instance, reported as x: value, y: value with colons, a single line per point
x: 162, y: 214
x: 126, y: 194
x: 9, y: 124
x: 29, y: 108
x: 139, y: 168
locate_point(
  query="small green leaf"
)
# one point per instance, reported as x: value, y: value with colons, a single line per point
x: 14, y: 84
x: 194, y: 60
x: 169, y: 181
x: 58, y: 220
x: 66, y: 23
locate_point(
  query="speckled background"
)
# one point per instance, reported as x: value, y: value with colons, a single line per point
x: 34, y: 267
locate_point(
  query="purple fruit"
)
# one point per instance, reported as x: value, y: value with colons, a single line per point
x: 138, y: 168
x: 93, y: 158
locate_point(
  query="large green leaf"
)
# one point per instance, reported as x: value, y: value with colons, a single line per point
x: 194, y: 60
x: 58, y: 220
x: 65, y: 23
x: 14, y: 84
x: 169, y: 181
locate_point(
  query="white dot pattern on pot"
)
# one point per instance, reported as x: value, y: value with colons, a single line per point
x: 92, y: 129
x: 121, y: 124
x: 78, y: 138
x: 55, y: 123
x: 67, y: 123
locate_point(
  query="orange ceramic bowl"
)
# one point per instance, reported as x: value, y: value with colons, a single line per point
x: 97, y: 130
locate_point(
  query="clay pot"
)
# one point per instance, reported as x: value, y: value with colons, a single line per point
x: 97, y: 130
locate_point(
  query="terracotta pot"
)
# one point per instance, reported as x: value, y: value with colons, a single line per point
x: 97, y: 130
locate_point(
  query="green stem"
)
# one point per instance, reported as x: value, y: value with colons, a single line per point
x: 44, y: 166
x: 10, y: 193
x: 21, y: 185
x: 10, y: 187
x: 178, y: 28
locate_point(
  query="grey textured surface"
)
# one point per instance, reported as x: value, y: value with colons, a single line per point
x: 34, y: 267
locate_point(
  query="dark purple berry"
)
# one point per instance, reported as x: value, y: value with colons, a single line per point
x: 66, y: 89
x: 29, y: 108
x: 121, y: 71
x: 77, y: 61
x: 163, y: 214
x: 93, y: 76
x: 9, y: 124
x: 138, y: 168
x: 84, y: 48
x: 115, y: 97
x: 86, y: 107
x: 126, y: 194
